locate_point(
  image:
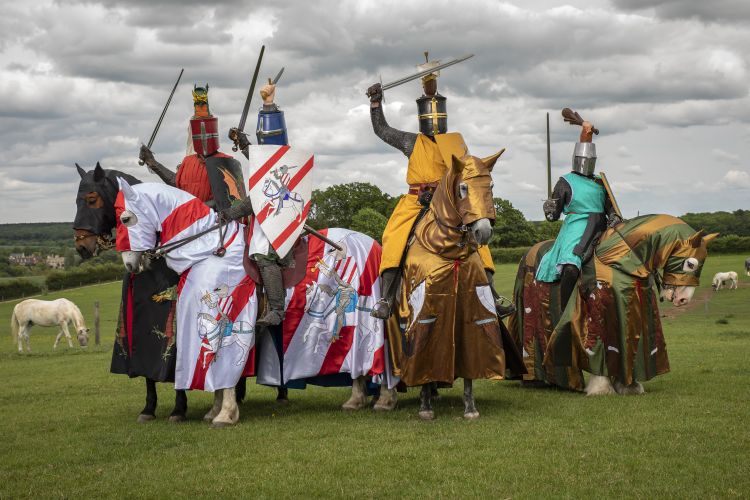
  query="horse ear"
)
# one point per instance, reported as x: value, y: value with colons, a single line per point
x: 457, y: 164
x: 489, y: 162
x: 695, y: 240
x: 127, y: 191
x: 710, y: 237
x: 99, y: 173
x: 81, y: 171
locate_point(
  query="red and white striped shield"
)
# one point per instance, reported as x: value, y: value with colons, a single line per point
x: 280, y: 189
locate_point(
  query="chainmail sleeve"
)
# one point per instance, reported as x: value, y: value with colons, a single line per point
x: 403, y: 141
x: 561, y: 196
x: 164, y: 173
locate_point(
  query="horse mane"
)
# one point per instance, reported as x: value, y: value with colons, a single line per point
x: 114, y: 174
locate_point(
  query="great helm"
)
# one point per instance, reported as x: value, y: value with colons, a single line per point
x: 584, y: 158
x: 433, y: 116
x: 204, y: 127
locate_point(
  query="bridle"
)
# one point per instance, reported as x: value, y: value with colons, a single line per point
x: 102, y: 242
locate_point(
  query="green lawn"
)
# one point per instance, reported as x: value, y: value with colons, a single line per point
x: 67, y: 427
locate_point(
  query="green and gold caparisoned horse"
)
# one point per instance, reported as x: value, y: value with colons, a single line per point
x: 611, y: 327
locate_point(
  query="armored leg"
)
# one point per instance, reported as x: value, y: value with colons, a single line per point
x: 568, y: 280
x: 273, y: 284
x: 390, y: 280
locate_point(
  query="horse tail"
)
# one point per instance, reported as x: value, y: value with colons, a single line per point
x: 14, y: 326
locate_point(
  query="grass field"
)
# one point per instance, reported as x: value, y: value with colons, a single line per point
x: 67, y: 427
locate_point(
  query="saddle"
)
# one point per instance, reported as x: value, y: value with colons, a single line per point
x: 291, y: 275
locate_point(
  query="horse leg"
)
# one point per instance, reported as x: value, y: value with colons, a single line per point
x: 358, y: 399
x: 180, y: 406
x: 216, y: 408
x: 387, y: 400
x: 57, y: 339
x: 26, y: 338
x: 599, y: 385
x: 67, y: 334
x: 240, y: 390
x: 470, y: 410
x: 22, y: 335
x: 282, y: 394
x: 633, y: 389
x: 148, y: 413
x: 425, y: 403
x: 230, y: 412
x: 434, y: 394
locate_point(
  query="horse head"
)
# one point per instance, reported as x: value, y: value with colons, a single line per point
x: 95, y: 213
x: 137, y: 227
x: 469, y: 187
x: 683, y: 266
x: 660, y: 245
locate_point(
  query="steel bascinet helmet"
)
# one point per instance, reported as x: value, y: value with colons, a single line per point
x: 584, y: 158
x: 204, y: 127
x: 433, y: 115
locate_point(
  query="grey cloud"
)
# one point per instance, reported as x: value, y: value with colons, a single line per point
x: 732, y: 11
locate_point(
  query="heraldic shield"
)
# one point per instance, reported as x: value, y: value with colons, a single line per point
x: 280, y: 189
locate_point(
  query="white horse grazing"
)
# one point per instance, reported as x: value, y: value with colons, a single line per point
x: 720, y: 279
x: 58, y: 312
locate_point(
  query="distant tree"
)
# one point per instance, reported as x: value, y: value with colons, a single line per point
x: 335, y: 206
x: 370, y: 222
x: 511, y: 227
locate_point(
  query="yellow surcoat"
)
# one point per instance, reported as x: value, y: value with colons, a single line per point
x: 428, y: 163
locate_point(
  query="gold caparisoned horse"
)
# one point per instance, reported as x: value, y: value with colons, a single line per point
x: 446, y: 325
x: 611, y: 326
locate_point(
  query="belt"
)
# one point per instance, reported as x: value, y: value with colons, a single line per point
x: 417, y: 189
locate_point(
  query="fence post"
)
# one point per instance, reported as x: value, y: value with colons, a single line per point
x: 96, y: 323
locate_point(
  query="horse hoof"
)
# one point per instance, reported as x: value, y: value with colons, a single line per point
x: 220, y: 425
x: 471, y: 415
x: 144, y: 418
x: 177, y: 418
x: 383, y: 407
x: 353, y: 405
x: 427, y: 415
x: 282, y: 401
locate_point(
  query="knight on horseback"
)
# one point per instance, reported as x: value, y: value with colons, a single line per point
x: 429, y: 152
x: 271, y: 130
x: 582, y: 197
x: 208, y: 174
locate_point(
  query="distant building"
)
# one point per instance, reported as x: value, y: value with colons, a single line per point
x: 20, y: 259
x: 55, y: 261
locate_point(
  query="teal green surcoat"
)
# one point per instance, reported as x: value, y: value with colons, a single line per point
x: 587, y: 197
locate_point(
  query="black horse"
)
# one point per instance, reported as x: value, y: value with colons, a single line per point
x: 145, y: 333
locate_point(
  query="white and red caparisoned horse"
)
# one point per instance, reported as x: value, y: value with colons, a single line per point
x: 217, y: 305
x: 58, y: 312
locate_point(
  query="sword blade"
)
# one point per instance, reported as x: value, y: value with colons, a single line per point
x: 315, y: 233
x: 164, y: 111
x: 249, y: 99
x: 426, y: 72
x: 278, y: 76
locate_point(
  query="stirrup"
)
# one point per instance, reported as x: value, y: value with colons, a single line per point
x: 504, y: 307
x: 381, y: 309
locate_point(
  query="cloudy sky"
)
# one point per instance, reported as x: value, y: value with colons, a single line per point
x: 666, y: 82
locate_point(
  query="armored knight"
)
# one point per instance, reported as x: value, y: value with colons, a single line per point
x: 208, y: 174
x: 430, y: 153
x: 588, y: 210
x: 271, y: 130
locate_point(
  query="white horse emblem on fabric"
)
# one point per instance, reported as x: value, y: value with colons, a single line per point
x: 216, y: 330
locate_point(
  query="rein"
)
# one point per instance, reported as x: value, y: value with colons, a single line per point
x: 162, y: 250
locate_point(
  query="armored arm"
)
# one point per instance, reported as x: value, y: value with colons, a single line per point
x: 609, y: 210
x: 561, y: 196
x: 403, y: 141
x: 163, y: 172
x: 237, y: 211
